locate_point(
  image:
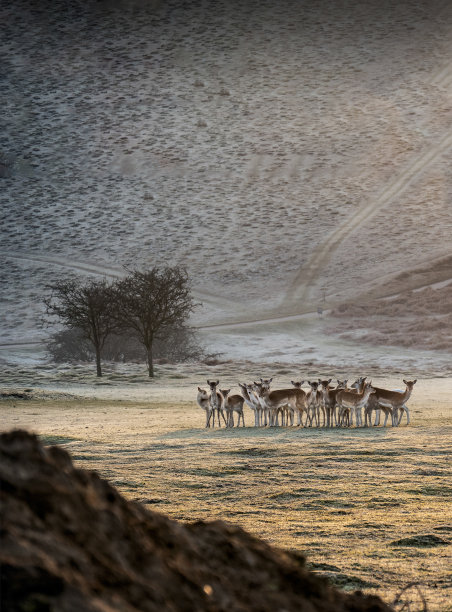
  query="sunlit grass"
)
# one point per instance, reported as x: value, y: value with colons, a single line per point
x: 371, y: 509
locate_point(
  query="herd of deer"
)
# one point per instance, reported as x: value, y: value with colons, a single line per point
x: 341, y: 404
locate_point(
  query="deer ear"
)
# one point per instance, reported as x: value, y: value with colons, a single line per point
x: 302, y: 382
x: 330, y: 380
x: 414, y: 381
x: 404, y: 381
x: 199, y: 389
x: 218, y: 382
x: 270, y: 379
x: 208, y: 382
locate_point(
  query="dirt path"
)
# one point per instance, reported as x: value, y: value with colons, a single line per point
x: 102, y: 270
x: 304, y: 285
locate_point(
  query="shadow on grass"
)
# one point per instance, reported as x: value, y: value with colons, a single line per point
x: 53, y: 440
x: 279, y: 433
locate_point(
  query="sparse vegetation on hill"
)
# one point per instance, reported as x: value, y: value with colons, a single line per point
x: 232, y: 141
x: 415, y: 319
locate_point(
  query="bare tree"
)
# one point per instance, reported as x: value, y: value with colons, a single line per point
x: 150, y: 302
x: 86, y: 307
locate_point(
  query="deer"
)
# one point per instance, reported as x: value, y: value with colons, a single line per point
x: 216, y: 402
x: 266, y: 415
x: 391, y: 402
x: 312, y: 401
x: 323, y: 386
x: 301, y: 401
x: 231, y: 404
x: 252, y: 402
x: 358, y: 385
x: 352, y: 400
x: 330, y: 403
x: 274, y: 401
x: 203, y: 402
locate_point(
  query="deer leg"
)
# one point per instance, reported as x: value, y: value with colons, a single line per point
x: 407, y: 414
x: 221, y: 411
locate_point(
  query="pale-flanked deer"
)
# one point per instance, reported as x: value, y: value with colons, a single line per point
x: 352, y: 400
x: 301, y: 401
x: 275, y: 401
x: 231, y: 404
x: 324, y: 385
x: 312, y: 400
x: 395, y: 401
x: 216, y: 402
x: 266, y: 414
x: 358, y: 385
x: 330, y: 403
x: 252, y: 402
x: 203, y: 402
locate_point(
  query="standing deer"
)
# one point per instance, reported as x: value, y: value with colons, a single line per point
x: 395, y: 401
x: 330, y: 403
x: 301, y: 401
x: 275, y: 401
x: 312, y: 403
x: 352, y: 400
x: 252, y: 402
x: 203, y: 402
x: 216, y: 402
x: 231, y: 404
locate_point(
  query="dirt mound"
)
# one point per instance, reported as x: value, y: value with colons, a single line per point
x: 71, y: 542
x: 421, y: 541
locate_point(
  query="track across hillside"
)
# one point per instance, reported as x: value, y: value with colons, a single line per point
x: 304, y: 285
x: 99, y: 269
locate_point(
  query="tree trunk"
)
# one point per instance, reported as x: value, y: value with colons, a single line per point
x: 150, y: 364
x: 98, y: 366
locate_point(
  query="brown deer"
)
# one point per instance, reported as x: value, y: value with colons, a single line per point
x: 203, y: 402
x: 216, y: 402
x: 391, y: 402
x: 232, y: 403
x: 301, y: 401
x: 352, y: 400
